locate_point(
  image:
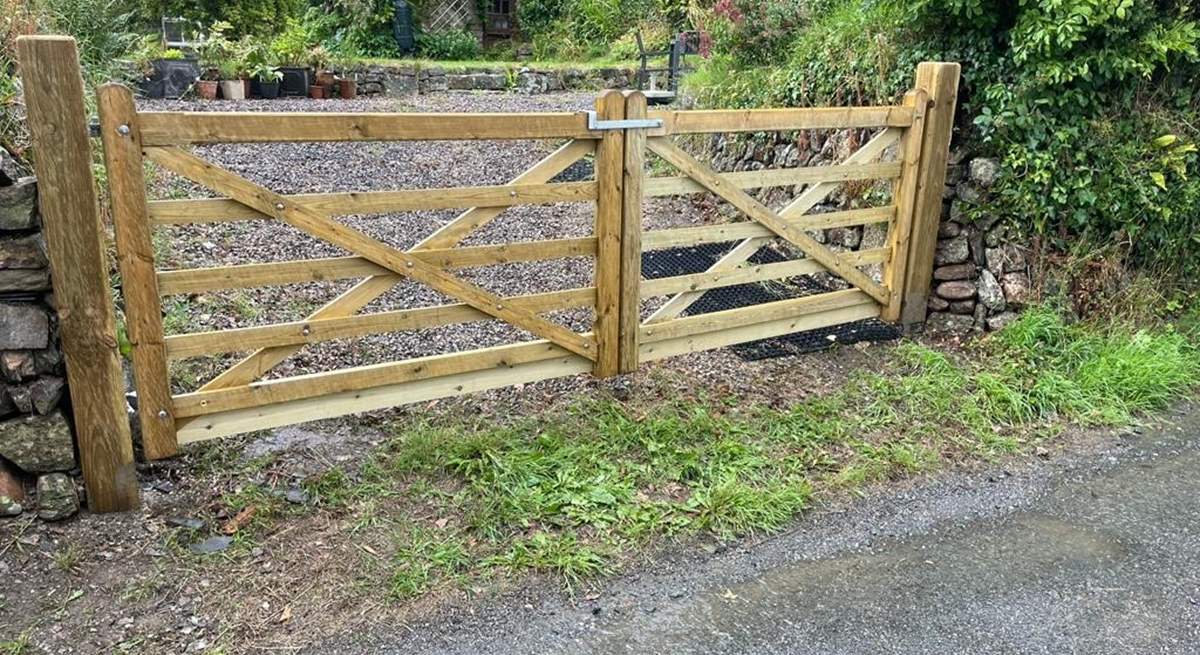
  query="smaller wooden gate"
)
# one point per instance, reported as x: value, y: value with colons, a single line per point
x: 619, y: 134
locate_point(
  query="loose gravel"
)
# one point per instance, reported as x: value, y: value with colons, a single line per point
x: 375, y: 166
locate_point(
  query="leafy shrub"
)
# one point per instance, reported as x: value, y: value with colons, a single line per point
x: 244, y: 16
x: 450, y: 44
x: 1090, y: 105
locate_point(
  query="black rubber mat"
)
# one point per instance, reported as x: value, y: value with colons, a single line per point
x: 695, y: 259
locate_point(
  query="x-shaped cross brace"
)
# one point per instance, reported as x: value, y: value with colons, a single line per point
x: 297, y: 215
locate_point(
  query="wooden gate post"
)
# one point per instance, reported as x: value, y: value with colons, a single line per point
x: 122, y: 138
x: 610, y: 165
x: 940, y: 81
x: 631, y: 233
x: 75, y: 242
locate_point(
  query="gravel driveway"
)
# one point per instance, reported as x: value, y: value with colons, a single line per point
x: 375, y: 166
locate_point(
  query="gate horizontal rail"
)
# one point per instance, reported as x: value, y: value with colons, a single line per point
x: 883, y: 281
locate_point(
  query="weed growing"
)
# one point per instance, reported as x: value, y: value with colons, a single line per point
x: 574, y: 493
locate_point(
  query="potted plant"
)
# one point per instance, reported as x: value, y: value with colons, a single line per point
x: 316, y: 92
x: 347, y: 86
x: 232, y: 86
x: 165, y: 72
x: 318, y: 60
x: 206, y: 86
x: 267, y: 78
x: 213, y: 49
x: 290, y: 50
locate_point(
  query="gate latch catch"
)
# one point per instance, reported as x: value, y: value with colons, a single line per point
x: 596, y: 125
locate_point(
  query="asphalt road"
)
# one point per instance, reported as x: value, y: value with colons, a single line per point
x: 1093, y: 551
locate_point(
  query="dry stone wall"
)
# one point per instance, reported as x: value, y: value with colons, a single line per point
x: 981, y: 274
x: 36, y: 443
x: 400, y: 80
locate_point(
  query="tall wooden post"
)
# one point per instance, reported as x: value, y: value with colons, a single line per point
x: 122, y: 140
x: 79, y: 269
x: 940, y: 81
x: 905, y: 198
x: 610, y: 166
x: 631, y: 233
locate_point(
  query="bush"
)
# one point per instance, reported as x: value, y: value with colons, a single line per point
x: 245, y: 16
x: 450, y: 44
x: 1090, y: 105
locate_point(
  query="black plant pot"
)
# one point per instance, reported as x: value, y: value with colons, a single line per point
x: 177, y: 76
x: 295, y: 81
x: 152, y: 88
x: 268, y: 90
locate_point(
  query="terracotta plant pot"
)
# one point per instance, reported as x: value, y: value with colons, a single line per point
x: 233, y: 90
x: 206, y: 89
x: 246, y: 88
x: 316, y: 91
x: 326, y: 78
x: 348, y: 89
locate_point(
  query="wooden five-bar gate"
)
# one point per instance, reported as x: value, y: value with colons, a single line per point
x: 618, y: 134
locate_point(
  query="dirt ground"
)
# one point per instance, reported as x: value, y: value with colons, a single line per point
x: 129, y: 583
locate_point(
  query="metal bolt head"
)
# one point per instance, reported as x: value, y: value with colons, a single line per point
x: 123, y: 130
x: 162, y: 413
x: 279, y: 206
x: 306, y: 331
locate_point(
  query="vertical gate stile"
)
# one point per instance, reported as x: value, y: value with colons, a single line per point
x: 940, y: 81
x: 121, y: 136
x: 57, y: 120
x: 631, y: 233
x: 610, y: 163
x: 906, y: 190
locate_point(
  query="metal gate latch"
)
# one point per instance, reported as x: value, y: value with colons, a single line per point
x: 595, y: 124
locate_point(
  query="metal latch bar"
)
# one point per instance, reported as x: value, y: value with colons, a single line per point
x: 595, y: 124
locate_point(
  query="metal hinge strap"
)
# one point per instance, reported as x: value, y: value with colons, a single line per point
x: 595, y: 124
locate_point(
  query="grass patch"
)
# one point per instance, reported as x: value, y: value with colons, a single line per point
x: 575, y: 492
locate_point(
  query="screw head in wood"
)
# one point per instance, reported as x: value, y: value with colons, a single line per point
x: 279, y: 206
x: 123, y: 130
x: 162, y: 413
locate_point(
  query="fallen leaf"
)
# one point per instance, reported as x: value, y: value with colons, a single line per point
x: 441, y: 523
x: 729, y: 595
x: 240, y: 520
x: 286, y: 614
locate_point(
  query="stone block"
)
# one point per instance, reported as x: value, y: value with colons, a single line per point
x: 965, y: 307
x: 38, y: 444
x: 1016, y: 288
x: 949, y: 230
x: 23, y: 327
x: 23, y: 252
x: 999, y: 321
x: 38, y: 397
x: 18, y: 205
x: 1007, y: 258
x: 956, y: 290
x: 955, y: 272
x: 952, y: 251
x: 24, y: 279
x: 941, y: 323
x: 17, y: 365
x: 990, y: 292
x: 984, y: 171
x: 56, y: 497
